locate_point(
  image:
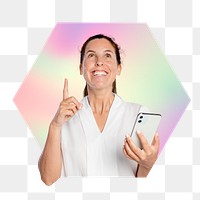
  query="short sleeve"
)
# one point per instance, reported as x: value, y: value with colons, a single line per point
x: 144, y: 109
x: 63, y: 173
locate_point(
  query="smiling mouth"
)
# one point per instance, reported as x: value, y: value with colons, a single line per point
x: 99, y: 73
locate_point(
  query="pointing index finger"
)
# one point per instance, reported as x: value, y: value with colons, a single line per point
x: 65, y: 90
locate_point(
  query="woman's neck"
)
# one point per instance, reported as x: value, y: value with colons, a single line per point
x: 100, y: 102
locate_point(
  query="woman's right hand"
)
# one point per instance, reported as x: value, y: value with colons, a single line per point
x: 67, y: 109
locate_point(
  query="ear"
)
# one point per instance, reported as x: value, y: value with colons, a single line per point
x: 81, y: 69
x: 119, y: 69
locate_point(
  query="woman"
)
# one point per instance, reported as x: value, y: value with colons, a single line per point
x: 90, y: 138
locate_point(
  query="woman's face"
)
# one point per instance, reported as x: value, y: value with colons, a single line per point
x: 100, y: 66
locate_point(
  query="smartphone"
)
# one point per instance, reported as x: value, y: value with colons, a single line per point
x: 148, y: 124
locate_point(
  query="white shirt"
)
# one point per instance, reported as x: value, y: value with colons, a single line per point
x: 88, y: 152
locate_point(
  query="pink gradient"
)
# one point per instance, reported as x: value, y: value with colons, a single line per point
x: 146, y: 76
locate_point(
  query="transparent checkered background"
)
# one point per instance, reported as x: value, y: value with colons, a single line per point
x: 24, y: 28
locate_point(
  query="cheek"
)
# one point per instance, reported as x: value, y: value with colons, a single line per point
x: 86, y: 67
x: 88, y: 64
x: 113, y: 66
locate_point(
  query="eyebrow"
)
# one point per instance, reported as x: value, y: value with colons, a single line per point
x: 92, y: 51
x: 109, y: 51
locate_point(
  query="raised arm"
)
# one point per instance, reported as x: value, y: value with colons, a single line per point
x: 50, y: 162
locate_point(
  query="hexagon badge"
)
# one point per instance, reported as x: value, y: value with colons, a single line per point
x: 146, y: 77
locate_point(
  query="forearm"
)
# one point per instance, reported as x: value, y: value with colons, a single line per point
x: 142, y: 172
x: 50, y: 162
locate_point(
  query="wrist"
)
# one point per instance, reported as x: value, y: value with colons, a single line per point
x: 54, y: 125
x: 142, y: 171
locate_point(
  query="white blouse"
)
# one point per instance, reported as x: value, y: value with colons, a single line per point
x: 88, y: 152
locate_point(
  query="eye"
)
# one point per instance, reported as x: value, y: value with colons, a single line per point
x: 90, y: 55
x: 108, y: 55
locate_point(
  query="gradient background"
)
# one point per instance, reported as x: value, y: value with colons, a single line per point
x: 147, y: 77
x: 23, y: 34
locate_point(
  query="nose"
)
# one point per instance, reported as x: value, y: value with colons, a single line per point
x: 99, y: 62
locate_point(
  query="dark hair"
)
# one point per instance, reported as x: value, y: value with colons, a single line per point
x: 117, y: 52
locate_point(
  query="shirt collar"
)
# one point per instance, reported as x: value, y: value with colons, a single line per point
x: 116, y: 102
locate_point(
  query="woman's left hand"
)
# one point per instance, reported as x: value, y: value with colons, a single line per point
x: 145, y: 157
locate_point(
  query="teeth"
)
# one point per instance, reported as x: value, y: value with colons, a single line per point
x: 99, y: 73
